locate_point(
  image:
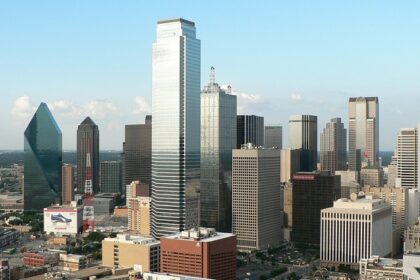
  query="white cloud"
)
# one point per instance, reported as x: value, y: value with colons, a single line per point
x: 296, y: 97
x: 23, y: 108
x: 142, y: 106
x: 100, y: 108
x: 245, y: 101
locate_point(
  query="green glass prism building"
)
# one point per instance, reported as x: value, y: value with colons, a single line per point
x: 43, y: 161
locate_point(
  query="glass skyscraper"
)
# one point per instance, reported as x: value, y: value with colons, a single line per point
x: 303, y: 136
x: 218, y: 138
x: 250, y: 129
x: 176, y: 127
x: 43, y: 161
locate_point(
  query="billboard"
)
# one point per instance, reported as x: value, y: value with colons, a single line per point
x: 64, y: 221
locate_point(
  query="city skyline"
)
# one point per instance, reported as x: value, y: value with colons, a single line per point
x: 111, y: 79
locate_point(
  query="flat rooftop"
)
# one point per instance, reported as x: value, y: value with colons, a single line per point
x: 200, y: 234
x: 176, y: 20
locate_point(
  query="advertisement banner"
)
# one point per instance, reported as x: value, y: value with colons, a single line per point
x: 61, y: 221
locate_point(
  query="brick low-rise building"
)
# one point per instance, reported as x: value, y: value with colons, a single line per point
x: 201, y: 252
x: 41, y: 258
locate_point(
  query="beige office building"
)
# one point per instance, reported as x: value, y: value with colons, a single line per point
x: 139, y: 215
x: 376, y: 268
x: 256, y: 198
x: 354, y: 229
x: 372, y: 176
x: 398, y: 198
x: 289, y: 164
x: 411, y: 256
x: 129, y: 250
x: 67, y: 183
x: 363, y: 132
x: 407, y: 160
x: 349, y: 182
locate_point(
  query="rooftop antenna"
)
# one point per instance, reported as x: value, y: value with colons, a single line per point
x: 212, y: 75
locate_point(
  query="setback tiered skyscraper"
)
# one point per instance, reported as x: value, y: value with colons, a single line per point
x: 333, y: 146
x: 137, y: 153
x: 407, y: 152
x: 250, y: 129
x: 363, y: 132
x: 273, y: 136
x: 303, y: 136
x: 176, y: 127
x: 87, y: 141
x: 218, y: 138
x: 43, y: 161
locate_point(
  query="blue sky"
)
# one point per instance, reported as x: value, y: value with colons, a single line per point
x: 281, y: 58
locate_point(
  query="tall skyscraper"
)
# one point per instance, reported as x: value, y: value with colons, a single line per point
x: 43, y: 161
x: 407, y: 152
x: 333, y: 146
x: 363, y: 132
x: 256, y: 218
x: 87, y: 140
x: 303, y: 136
x: 67, y: 183
x: 312, y: 191
x: 137, y: 153
x: 250, y: 129
x: 218, y: 138
x: 110, y: 177
x: 176, y: 127
x: 273, y: 136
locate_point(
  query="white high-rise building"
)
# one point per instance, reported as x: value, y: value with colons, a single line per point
x: 355, y: 229
x: 407, y: 160
x: 176, y: 127
x: 363, y: 132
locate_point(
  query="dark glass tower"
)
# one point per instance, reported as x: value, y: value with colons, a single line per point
x: 137, y: 153
x: 43, y: 160
x: 87, y: 139
x: 250, y: 129
x: 303, y: 136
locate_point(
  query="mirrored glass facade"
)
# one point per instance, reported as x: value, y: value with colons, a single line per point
x: 176, y: 127
x: 218, y: 138
x: 43, y: 161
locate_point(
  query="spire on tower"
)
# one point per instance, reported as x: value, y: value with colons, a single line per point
x: 212, y: 75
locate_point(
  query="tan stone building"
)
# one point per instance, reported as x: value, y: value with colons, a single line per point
x: 67, y: 183
x: 256, y: 214
x: 129, y: 250
x: 139, y: 215
x: 398, y: 199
